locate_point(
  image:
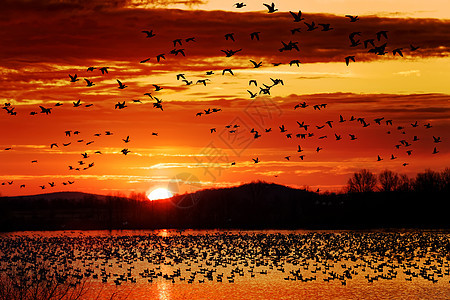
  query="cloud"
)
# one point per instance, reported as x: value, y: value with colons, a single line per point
x: 409, y: 73
x: 63, y: 33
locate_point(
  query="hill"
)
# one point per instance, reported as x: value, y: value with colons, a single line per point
x: 256, y: 205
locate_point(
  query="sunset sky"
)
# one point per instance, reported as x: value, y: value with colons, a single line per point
x: 44, y: 41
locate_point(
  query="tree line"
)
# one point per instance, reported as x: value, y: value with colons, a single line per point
x: 365, y: 181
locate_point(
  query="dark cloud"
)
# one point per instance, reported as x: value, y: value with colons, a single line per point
x: 62, y: 32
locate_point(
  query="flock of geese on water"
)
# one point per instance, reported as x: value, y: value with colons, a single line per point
x: 375, y: 44
x: 227, y: 257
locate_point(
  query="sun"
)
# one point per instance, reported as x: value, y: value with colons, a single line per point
x: 159, y: 193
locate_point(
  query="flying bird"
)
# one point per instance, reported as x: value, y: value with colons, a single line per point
x: 229, y: 36
x: 352, y: 18
x: 311, y: 26
x: 73, y: 78
x: 227, y: 70
x: 271, y: 8
x: 297, y: 16
x: 255, y: 64
x: 255, y: 35
x: 89, y: 83
x: 382, y: 33
x: 149, y: 33
x: 121, y: 85
x: 398, y: 51
x: 104, y: 70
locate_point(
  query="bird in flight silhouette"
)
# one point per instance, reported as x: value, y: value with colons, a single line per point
x: 149, y: 33
x: 73, y: 78
x: 121, y: 85
x: 352, y: 18
x: 271, y: 8
x: 297, y: 16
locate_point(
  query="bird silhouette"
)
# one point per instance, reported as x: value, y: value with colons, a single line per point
x: 271, y: 8
x: 413, y: 48
x: 382, y: 33
x: 255, y: 35
x: 352, y: 18
x: 369, y: 41
x: 176, y: 41
x: 311, y: 26
x: 203, y: 81
x: 398, y: 51
x: 256, y: 160
x: 121, y: 85
x: 252, y: 95
x: 89, y: 83
x: 229, y: 53
x: 120, y: 105
x: 45, y: 110
x: 159, y: 56
x: 91, y: 69
x: 437, y: 139
x: 435, y: 151
x: 73, y: 78
x: 227, y: 70
x: 77, y: 103
x: 149, y: 33
x: 379, y: 158
x: 104, y: 70
x: 125, y: 151
x: 348, y: 58
x: 239, y: 4
x: 229, y: 36
x: 255, y: 64
x: 297, y: 16
x: 295, y: 61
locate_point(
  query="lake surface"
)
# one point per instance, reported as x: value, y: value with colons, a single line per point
x: 274, y: 264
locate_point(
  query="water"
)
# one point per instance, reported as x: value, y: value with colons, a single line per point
x: 169, y: 264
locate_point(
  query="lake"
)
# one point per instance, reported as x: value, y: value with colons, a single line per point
x: 219, y: 264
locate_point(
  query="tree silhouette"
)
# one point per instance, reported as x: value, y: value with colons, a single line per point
x: 389, y: 181
x: 362, y: 182
x: 405, y: 183
x: 429, y: 181
x: 445, y: 180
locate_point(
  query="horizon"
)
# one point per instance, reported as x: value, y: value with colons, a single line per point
x: 168, y: 145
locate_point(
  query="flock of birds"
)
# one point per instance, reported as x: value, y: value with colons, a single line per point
x: 226, y: 257
x: 376, y: 45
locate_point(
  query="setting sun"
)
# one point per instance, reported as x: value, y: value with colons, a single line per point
x: 159, y: 193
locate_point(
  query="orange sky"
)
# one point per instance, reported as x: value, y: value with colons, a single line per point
x: 48, y: 40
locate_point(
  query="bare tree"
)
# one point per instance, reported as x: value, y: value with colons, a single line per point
x: 361, y: 182
x: 429, y: 181
x: 445, y: 180
x: 405, y: 183
x: 388, y: 180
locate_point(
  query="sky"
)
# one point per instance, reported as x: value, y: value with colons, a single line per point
x: 45, y: 41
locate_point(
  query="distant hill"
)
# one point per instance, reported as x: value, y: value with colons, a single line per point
x: 76, y: 196
x: 255, y: 205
